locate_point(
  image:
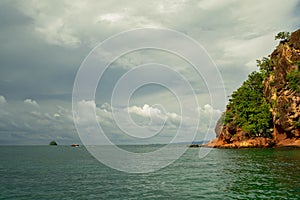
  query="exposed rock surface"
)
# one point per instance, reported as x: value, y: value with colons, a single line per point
x: 284, y: 103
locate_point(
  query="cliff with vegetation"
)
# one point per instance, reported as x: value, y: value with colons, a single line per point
x: 265, y: 110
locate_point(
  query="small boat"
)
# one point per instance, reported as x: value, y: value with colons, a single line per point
x: 74, y: 145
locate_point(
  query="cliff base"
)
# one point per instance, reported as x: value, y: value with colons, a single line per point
x: 257, y: 142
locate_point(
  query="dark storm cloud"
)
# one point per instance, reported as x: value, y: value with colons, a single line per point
x: 11, y: 17
x: 31, y: 67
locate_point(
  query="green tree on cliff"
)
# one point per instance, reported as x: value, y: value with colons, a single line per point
x: 283, y: 36
x: 248, y: 108
x: 264, y: 65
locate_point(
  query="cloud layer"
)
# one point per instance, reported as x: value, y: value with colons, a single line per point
x: 44, y: 42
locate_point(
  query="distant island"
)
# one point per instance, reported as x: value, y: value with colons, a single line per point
x: 265, y: 110
x: 53, y: 143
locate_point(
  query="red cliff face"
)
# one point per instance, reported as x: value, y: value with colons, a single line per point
x: 283, y: 98
x: 285, y: 101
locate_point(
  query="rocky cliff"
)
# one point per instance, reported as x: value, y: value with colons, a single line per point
x: 265, y: 110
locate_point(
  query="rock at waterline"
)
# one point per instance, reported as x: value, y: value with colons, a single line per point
x: 194, y: 145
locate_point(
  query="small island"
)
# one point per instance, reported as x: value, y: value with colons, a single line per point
x: 265, y: 110
x: 194, y: 145
x: 53, y: 143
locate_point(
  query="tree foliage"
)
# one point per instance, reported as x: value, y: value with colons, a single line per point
x: 293, y: 79
x: 248, y: 108
x: 265, y: 65
x: 283, y: 36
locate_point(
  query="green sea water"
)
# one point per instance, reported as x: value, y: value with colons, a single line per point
x: 63, y: 172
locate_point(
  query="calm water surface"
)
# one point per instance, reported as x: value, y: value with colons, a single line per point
x: 62, y: 172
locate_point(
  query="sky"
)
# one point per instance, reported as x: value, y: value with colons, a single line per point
x: 44, y: 43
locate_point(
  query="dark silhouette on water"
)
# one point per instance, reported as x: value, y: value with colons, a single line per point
x: 53, y: 143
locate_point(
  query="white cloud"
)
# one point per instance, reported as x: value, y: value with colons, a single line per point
x: 26, y: 126
x: 145, y: 111
x: 208, y: 114
x: 170, y: 6
x: 173, y: 116
x: 106, y: 107
x: 2, y: 100
x: 90, y: 104
x: 208, y: 119
x: 58, y: 34
x: 31, y: 102
x: 86, y: 112
x: 110, y: 17
x: 209, y: 110
x: 152, y: 119
x: 56, y: 115
x: 156, y: 114
x: 214, y: 4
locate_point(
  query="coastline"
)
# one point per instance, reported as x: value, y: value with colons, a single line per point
x: 259, y: 142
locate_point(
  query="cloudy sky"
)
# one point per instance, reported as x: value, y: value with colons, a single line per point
x: 43, y: 44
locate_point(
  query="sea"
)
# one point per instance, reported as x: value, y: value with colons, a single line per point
x: 64, y: 172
